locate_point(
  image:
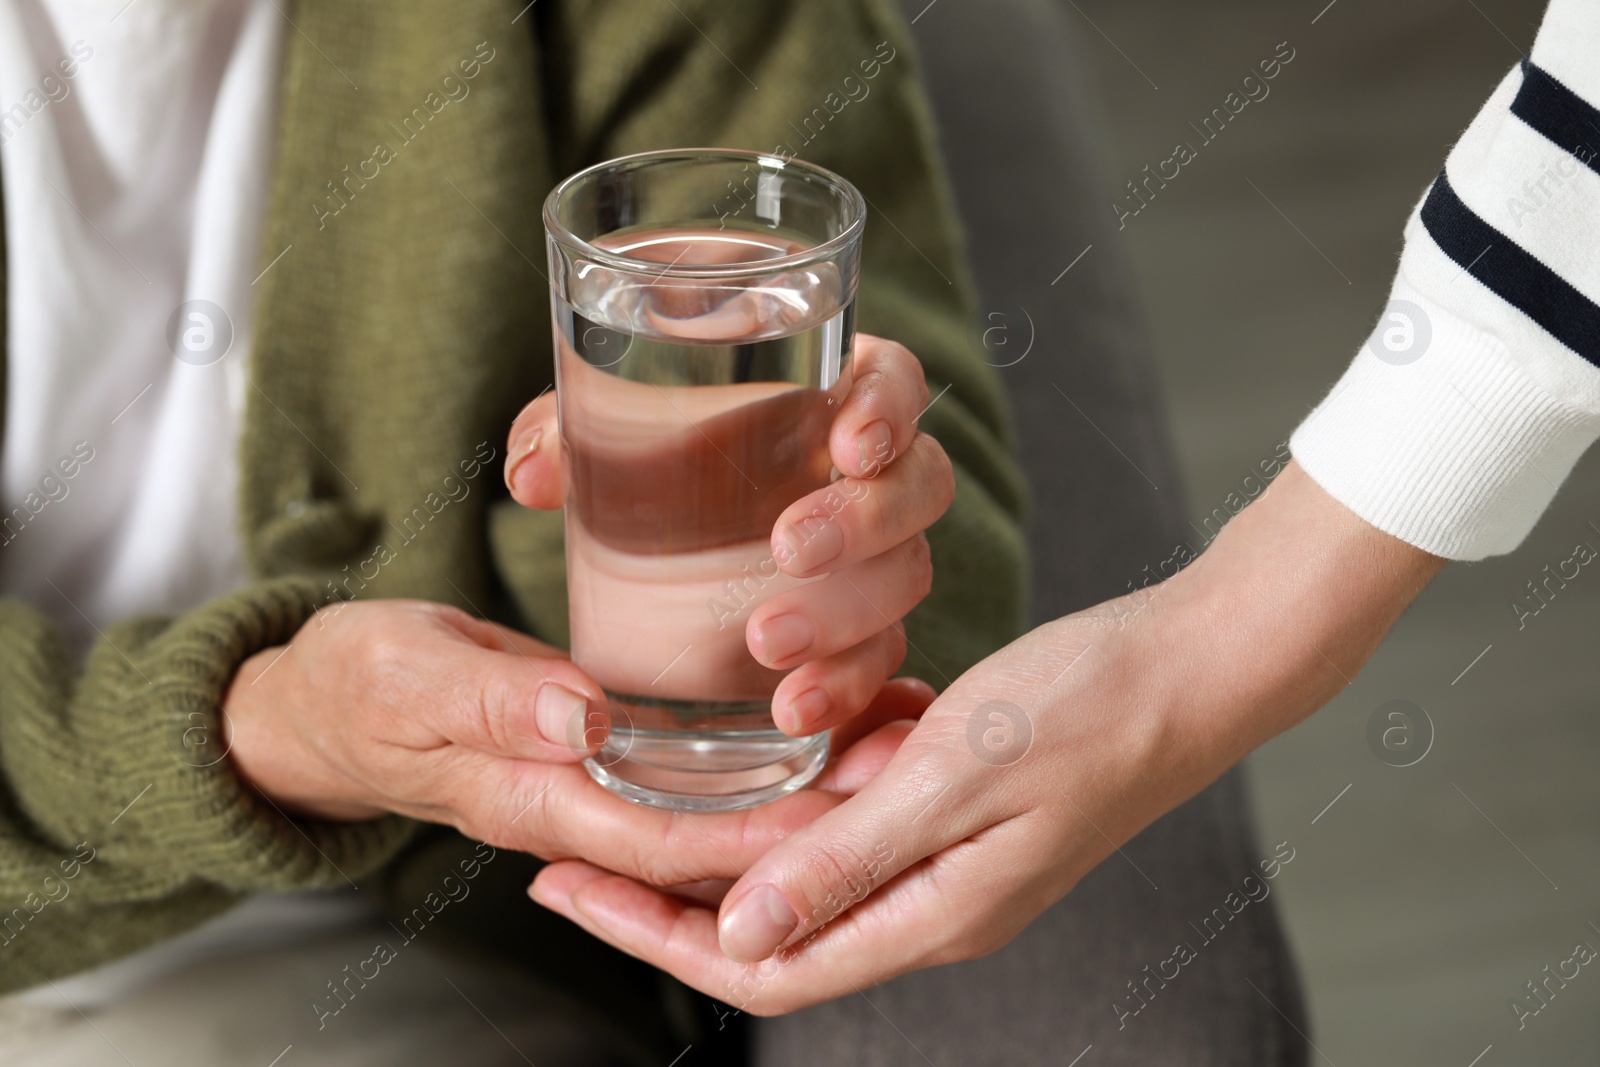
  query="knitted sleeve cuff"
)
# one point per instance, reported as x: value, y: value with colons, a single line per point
x: 1480, y: 387
x: 1442, y: 435
x: 130, y: 759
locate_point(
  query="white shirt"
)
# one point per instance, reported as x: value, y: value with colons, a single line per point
x: 136, y: 147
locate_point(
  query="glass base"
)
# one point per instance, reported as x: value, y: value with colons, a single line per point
x: 702, y: 756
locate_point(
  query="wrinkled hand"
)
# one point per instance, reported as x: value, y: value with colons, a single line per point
x: 419, y: 709
x: 839, y: 637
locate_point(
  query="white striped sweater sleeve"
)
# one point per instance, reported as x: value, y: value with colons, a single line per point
x: 1480, y: 386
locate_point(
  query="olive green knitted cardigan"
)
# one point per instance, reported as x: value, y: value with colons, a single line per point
x: 401, y: 324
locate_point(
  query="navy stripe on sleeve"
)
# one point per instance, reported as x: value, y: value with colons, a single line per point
x: 1561, y: 115
x: 1510, y: 272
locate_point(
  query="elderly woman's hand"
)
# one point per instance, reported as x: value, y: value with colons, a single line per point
x: 839, y: 637
x: 416, y: 708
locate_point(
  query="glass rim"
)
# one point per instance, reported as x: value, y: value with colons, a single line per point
x: 775, y: 164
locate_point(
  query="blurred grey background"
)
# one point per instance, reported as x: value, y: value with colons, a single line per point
x: 1426, y: 897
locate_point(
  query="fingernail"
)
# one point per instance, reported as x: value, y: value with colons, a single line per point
x: 806, y: 709
x: 561, y: 716
x: 783, y: 553
x: 757, y: 925
x: 875, y: 442
x: 518, y: 458
x: 784, y: 636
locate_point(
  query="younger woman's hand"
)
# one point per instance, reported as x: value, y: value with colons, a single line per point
x: 1034, y: 766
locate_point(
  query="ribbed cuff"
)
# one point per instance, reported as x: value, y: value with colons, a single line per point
x: 133, y: 762
x: 1437, y: 435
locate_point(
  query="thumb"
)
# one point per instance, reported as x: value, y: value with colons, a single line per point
x: 820, y: 871
x: 533, y: 456
x: 522, y: 706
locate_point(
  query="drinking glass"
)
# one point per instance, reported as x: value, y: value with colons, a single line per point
x: 704, y: 307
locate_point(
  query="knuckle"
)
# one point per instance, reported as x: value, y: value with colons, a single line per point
x: 836, y: 879
x: 879, y: 522
x: 939, y: 472
x: 870, y: 386
x: 453, y: 617
x: 899, y: 354
x: 386, y: 654
x: 903, y: 364
x: 919, y: 562
x: 387, y: 643
x: 947, y: 478
x: 874, y: 512
x: 489, y: 706
x: 868, y: 344
x: 658, y: 870
x: 665, y: 860
x: 528, y: 823
x: 895, y: 649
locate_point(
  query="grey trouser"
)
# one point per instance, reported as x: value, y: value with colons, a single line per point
x: 1064, y: 984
